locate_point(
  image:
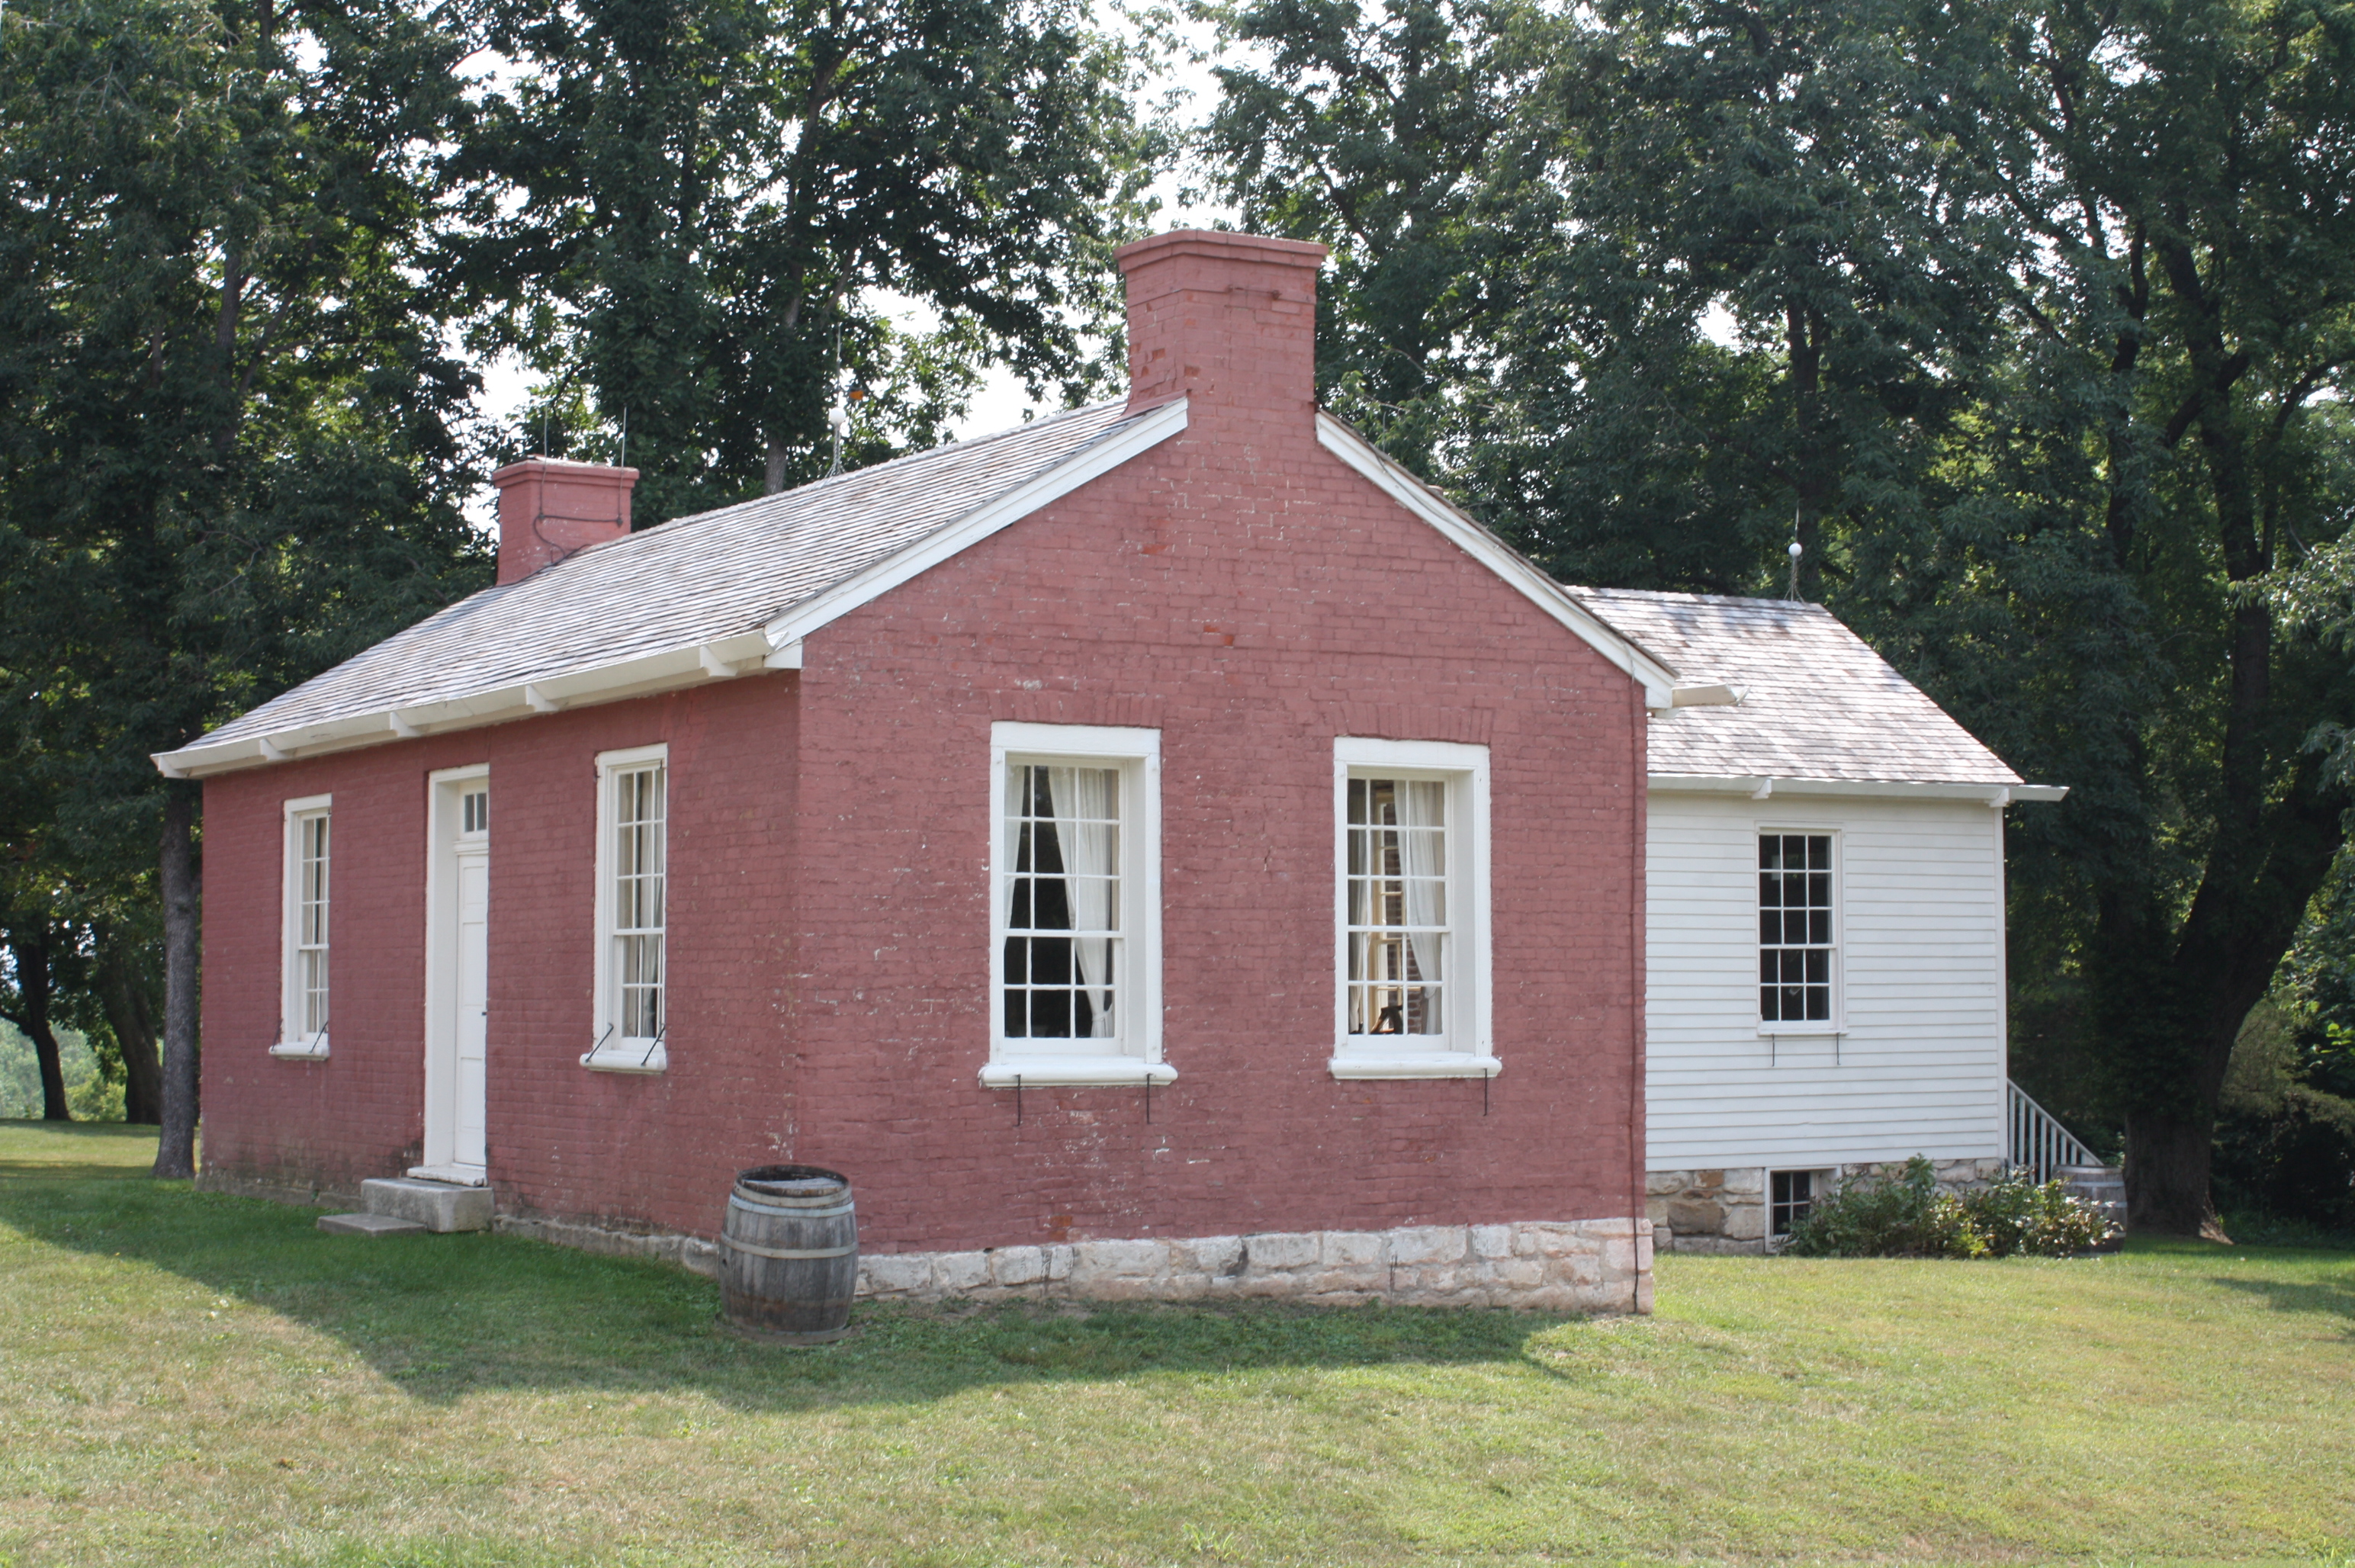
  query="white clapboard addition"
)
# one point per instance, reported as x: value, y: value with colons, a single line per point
x: 1784, y: 720
x: 1912, y: 1060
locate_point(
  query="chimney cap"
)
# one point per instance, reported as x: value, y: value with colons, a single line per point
x: 1223, y: 245
x: 564, y: 466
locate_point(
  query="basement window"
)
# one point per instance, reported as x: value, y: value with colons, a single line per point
x: 1791, y: 1194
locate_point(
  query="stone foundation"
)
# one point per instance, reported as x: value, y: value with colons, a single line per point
x: 1573, y: 1265
x: 1725, y: 1211
x: 1579, y: 1265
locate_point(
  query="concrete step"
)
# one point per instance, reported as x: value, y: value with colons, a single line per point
x: 438, y: 1206
x: 369, y: 1225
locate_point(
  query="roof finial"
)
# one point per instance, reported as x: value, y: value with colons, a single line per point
x: 1795, y: 553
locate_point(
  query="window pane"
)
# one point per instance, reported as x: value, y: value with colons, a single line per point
x: 640, y: 834
x: 1795, y: 927
x: 1064, y: 878
x: 1397, y: 905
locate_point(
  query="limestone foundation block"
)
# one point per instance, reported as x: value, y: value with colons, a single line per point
x: 1362, y: 1250
x: 1281, y: 1249
x: 1017, y: 1265
x: 1429, y: 1245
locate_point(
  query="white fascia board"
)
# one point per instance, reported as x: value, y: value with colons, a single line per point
x: 873, y: 581
x: 1763, y: 786
x: 648, y: 673
x: 1659, y: 681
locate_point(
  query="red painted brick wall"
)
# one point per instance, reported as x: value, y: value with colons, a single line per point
x: 1238, y: 589
x: 1243, y: 590
x: 562, y: 1139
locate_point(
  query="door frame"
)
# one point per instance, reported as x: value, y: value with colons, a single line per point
x: 438, y: 1143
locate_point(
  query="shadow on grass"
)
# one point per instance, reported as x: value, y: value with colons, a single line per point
x: 443, y: 1316
x: 2327, y: 1298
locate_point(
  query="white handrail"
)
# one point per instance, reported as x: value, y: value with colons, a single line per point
x: 2035, y: 1141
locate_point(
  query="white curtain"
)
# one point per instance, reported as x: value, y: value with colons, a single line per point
x: 1086, y: 794
x: 1423, y: 859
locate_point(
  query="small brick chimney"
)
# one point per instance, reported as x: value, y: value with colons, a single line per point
x: 549, y: 510
x: 1228, y: 320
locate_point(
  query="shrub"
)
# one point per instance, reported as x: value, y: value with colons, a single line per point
x: 1911, y: 1216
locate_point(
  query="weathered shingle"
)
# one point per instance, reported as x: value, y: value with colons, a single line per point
x: 1819, y: 703
x: 692, y: 579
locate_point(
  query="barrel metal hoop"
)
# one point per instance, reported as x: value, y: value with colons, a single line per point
x: 737, y: 1200
x: 789, y: 1251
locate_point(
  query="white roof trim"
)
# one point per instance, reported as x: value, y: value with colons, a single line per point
x: 1658, y: 680
x: 1759, y: 786
x: 648, y: 673
x: 831, y: 604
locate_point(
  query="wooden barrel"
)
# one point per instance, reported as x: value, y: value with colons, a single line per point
x: 790, y: 1248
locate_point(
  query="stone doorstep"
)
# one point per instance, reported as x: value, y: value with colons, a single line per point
x: 438, y: 1206
x: 369, y: 1225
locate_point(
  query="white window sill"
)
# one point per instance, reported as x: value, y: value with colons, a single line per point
x: 1788, y: 1031
x: 1074, y: 1071
x: 302, y: 1049
x: 1414, y: 1064
x: 628, y: 1058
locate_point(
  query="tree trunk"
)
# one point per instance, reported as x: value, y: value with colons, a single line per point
x: 125, y: 992
x: 181, y: 877
x: 30, y: 949
x: 2167, y: 1171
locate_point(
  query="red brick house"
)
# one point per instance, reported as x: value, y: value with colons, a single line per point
x: 1163, y: 850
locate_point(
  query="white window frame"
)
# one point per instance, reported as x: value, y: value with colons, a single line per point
x: 1470, y: 1049
x: 1819, y: 1029
x: 608, y: 1051
x: 294, y: 1041
x: 1133, y: 1056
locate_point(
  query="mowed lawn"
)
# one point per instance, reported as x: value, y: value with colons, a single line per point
x: 192, y: 1378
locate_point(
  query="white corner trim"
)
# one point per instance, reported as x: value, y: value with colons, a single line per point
x: 627, y: 1059
x: 787, y: 657
x: 1761, y: 787
x: 1657, y: 680
x: 1150, y: 430
x: 1414, y: 1064
x: 301, y: 1049
x: 1711, y: 696
x: 1074, y: 1071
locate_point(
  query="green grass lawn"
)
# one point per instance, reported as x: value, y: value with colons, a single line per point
x: 194, y: 1378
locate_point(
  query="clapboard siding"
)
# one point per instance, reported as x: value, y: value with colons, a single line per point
x: 1919, y: 1068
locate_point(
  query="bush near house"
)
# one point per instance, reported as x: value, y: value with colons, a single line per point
x: 1911, y: 1216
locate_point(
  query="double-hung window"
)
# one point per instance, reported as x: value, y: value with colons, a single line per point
x: 1410, y: 821
x: 302, y: 1007
x: 632, y: 1015
x: 1075, y: 943
x: 1798, y: 933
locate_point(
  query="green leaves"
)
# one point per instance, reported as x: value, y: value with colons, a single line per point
x: 685, y: 204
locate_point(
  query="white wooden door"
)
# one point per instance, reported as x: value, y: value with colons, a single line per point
x: 472, y: 995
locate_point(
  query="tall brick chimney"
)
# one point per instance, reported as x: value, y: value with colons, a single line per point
x: 1228, y: 320
x: 549, y: 510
